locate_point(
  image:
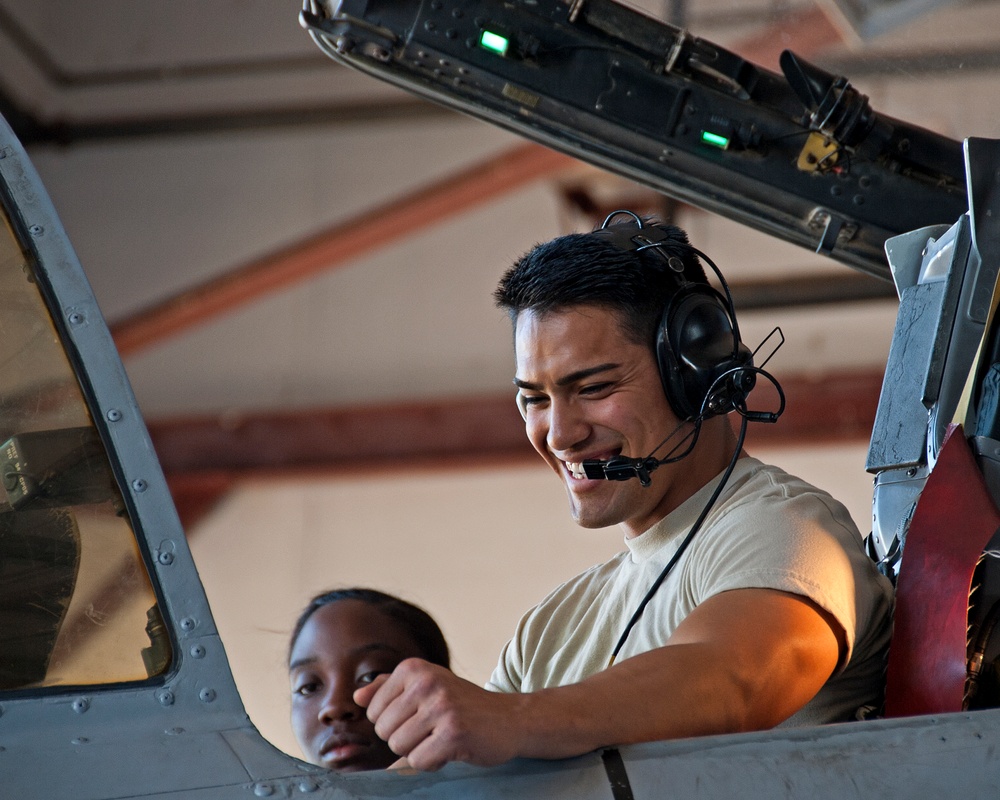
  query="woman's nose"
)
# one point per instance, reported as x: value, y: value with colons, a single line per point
x: 338, y: 704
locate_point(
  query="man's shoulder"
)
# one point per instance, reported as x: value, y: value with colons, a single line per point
x: 757, y: 480
x: 780, y: 508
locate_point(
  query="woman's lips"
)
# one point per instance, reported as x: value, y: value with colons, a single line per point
x: 340, y: 749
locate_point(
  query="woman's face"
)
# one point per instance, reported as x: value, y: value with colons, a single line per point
x: 342, y: 647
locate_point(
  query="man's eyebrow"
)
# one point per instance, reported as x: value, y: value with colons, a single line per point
x: 573, y: 377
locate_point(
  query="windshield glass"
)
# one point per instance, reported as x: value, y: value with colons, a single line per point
x: 76, y: 604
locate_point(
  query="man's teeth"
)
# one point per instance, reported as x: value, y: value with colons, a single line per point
x: 576, y: 470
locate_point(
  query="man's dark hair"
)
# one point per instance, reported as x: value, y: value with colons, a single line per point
x: 590, y: 269
x: 414, y: 620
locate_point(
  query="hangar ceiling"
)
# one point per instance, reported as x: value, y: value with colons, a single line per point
x: 101, y: 92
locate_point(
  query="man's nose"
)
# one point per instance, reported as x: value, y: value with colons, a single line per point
x: 338, y: 704
x: 568, y: 426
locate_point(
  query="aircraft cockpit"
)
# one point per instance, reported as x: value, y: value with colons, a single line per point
x: 114, y: 679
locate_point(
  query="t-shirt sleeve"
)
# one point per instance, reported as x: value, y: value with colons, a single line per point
x: 804, y: 544
x: 506, y: 677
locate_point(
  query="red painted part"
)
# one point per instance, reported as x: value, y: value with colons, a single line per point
x: 953, y: 522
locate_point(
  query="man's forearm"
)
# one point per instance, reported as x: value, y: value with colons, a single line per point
x: 636, y: 701
x: 775, y: 652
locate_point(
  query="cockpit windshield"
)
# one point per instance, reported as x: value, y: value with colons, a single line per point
x: 76, y: 603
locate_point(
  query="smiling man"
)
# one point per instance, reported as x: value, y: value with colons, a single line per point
x: 743, y: 599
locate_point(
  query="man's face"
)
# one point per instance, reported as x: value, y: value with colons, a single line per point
x: 589, y: 392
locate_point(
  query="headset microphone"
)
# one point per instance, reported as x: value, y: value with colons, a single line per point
x: 621, y: 468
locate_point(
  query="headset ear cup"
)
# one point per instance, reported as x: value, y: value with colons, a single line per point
x: 696, y: 345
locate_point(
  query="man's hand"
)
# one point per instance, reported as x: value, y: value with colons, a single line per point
x: 430, y: 716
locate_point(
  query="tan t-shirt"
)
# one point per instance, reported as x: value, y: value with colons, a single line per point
x: 768, y: 529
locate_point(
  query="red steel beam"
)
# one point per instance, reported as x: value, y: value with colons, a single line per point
x: 836, y: 407
x: 339, y: 244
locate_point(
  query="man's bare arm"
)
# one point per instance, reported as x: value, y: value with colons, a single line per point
x: 743, y: 660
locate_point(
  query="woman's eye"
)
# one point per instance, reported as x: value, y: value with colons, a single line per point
x: 306, y: 689
x: 595, y: 388
x: 532, y: 399
x: 367, y: 677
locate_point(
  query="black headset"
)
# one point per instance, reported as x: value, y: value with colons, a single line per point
x: 705, y: 368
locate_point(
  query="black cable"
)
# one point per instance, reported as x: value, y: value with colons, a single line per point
x: 687, y: 540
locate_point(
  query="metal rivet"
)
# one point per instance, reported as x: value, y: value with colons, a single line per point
x: 80, y: 705
x: 197, y: 651
x: 76, y: 318
x: 174, y: 731
x: 165, y: 697
x: 81, y: 740
x: 308, y: 787
x: 858, y: 200
x: 140, y: 485
x: 36, y: 230
x: 263, y: 790
x: 166, y: 559
x: 206, y: 695
x: 911, y: 472
x: 114, y: 415
x: 188, y: 624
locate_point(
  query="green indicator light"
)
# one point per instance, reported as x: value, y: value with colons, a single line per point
x: 715, y: 139
x: 494, y: 42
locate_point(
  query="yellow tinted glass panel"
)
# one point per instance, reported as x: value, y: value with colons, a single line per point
x: 76, y: 604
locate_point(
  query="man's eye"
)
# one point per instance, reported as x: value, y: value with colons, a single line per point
x: 306, y: 689
x: 532, y: 399
x: 595, y: 388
